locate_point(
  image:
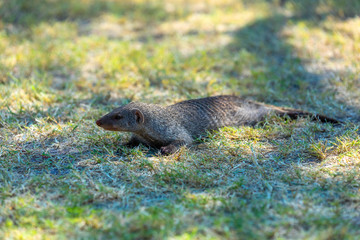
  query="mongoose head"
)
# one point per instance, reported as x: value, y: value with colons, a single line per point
x: 127, y: 119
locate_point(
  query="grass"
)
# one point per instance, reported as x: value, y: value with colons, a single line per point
x: 63, y: 64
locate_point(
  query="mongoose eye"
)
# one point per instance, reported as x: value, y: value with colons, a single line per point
x: 118, y: 117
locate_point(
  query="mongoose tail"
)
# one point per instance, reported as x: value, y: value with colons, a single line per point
x: 297, y: 113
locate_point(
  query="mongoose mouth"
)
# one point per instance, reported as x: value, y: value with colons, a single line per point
x: 109, y: 128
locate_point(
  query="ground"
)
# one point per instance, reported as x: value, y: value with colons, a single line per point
x: 65, y: 63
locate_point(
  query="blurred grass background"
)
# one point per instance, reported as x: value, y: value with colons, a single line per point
x: 65, y: 63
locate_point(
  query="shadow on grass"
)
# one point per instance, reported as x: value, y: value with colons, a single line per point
x: 221, y: 181
x: 26, y: 13
x: 101, y: 173
x: 279, y: 76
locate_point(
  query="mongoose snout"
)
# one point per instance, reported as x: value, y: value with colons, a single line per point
x: 170, y: 127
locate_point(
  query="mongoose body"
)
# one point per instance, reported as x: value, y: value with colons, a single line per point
x: 169, y: 127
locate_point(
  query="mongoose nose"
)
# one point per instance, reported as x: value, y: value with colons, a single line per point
x: 98, y: 122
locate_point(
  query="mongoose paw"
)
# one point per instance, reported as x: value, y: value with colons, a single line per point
x: 169, y: 149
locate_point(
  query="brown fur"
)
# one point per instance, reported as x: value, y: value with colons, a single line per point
x: 170, y: 127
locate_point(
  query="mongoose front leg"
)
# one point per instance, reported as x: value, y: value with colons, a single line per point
x: 134, y: 142
x: 172, y: 147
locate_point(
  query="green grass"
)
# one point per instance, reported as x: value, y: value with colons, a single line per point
x: 63, y: 64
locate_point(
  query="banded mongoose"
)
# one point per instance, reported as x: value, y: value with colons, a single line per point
x: 172, y: 126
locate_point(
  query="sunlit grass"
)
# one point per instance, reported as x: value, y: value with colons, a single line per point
x: 64, y: 64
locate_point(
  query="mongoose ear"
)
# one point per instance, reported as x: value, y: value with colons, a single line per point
x: 139, y: 116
